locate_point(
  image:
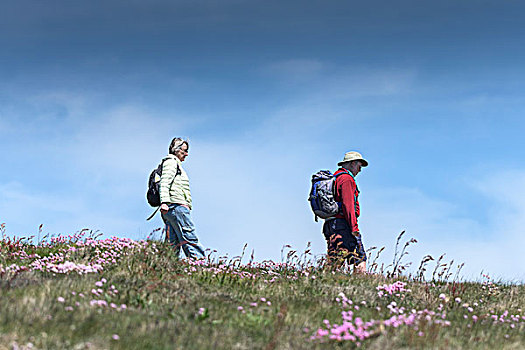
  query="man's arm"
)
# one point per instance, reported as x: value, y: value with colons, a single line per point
x: 348, y: 188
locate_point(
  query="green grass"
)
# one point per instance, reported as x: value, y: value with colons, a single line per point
x: 171, y: 304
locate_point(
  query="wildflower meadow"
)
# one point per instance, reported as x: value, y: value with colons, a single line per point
x: 85, y: 292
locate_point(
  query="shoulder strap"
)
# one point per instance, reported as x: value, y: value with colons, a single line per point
x: 152, y: 215
x: 344, y: 172
x: 178, y: 172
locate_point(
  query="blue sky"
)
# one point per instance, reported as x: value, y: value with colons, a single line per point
x: 432, y: 94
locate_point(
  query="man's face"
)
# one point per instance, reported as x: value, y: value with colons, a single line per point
x: 182, y: 152
x: 355, y: 167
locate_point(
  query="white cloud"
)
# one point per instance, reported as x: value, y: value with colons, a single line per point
x: 24, y: 209
x: 3, y: 127
x: 121, y: 140
x: 330, y: 103
x: 295, y: 71
x: 243, y: 195
x: 358, y: 83
x: 328, y: 83
x: 496, y: 249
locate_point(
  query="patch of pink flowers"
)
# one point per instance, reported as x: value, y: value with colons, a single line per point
x: 103, y: 253
x: 396, y: 288
x: 106, y: 293
x: 266, y: 271
x: 256, y: 304
x: 355, y: 329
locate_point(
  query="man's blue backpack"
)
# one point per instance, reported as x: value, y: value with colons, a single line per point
x: 322, y: 195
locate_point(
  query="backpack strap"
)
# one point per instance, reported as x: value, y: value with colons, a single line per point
x: 178, y: 172
x: 152, y: 215
x: 345, y: 171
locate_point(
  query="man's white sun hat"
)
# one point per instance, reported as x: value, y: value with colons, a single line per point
x: 352, y: 155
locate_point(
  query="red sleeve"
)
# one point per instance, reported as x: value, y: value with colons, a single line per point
x: 347, y: 189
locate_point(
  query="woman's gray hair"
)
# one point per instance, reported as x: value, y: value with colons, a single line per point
x: 176, y: 144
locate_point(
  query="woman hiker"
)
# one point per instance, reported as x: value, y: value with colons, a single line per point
x: 176, y: 201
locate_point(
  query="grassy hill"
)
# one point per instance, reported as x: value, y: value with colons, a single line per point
x: 80, y: 292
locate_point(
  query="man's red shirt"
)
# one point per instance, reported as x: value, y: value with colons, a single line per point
x: 347, y: 194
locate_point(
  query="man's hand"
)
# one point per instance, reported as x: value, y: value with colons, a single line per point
x: 164, y: 208
x: 361, y: 268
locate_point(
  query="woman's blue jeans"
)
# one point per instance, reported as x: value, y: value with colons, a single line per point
x: 180, y: 231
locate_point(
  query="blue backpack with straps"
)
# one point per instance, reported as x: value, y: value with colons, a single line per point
x: 321, y: 196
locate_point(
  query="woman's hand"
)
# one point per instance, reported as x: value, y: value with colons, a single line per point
x: 164, y: 208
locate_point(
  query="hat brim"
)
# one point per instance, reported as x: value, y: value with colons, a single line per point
x: 363, y: 162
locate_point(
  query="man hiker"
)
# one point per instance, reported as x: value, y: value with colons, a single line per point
x: 341, y: 232
x: 175, y: 200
